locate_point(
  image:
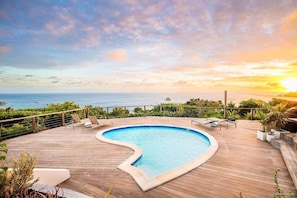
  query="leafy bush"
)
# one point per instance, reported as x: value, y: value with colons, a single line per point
x: 19, y: 180
x: 61, y: 107
x: 96, y: 111
x: 3, y: 168
x: 9, y: 112
x: 16, y: 182
x: 191, y: 111
x: 245, y: 107
x: 119, y: 112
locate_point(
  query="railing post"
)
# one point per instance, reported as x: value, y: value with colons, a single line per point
x: 34, y: 128
x: 0, y: 131
x: 160, y: 109
x: 225, y: 105
x: 144, y: 110
x: 107, y: 110
x: 63, y: 118
x: 84, y: 113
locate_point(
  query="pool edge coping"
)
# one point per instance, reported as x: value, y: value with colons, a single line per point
x: 146, y: 183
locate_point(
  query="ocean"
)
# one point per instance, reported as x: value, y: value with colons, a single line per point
x: 40, y: 100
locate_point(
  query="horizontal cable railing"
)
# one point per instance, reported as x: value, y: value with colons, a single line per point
x: 10, y: 128
x: 14, y: 127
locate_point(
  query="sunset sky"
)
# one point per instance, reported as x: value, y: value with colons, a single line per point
x: 148, y: 46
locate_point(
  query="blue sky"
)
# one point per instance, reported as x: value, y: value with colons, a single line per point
x: 148, y: 46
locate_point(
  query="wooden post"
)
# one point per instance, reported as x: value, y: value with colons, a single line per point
x: 85, y: 113
x: 225, y: 105
x: 63, y: 118
x: 144, y: 110
x: 34, y: 128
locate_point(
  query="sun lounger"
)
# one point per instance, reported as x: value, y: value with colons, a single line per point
x: 94, y: 123
x: 212, y: 123
x: 228, y: 122
x: 76, y: 122
x: 216, y: 121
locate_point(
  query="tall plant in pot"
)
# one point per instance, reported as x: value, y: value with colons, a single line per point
x: 261, y: 134
x: 277, y: 117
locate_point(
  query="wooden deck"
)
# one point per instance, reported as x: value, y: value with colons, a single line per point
x: 241, y: 164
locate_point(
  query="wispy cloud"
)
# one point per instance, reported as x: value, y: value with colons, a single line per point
x: 153, y: 44
x: 52, y: 77
x: 60, y: 26
x: 28, y: 76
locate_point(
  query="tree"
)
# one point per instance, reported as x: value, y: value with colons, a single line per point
x: 69, y: 105
x: 119, y: 112
x: 277, y: 116
x: 246, y: 105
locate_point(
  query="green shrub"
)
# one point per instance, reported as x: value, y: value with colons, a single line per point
x: 119, y: 112
x: 17, y: 181
x: 3, y: 168
x: 20, y: 178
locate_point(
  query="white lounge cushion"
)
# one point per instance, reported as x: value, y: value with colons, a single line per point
x: 88, y: 124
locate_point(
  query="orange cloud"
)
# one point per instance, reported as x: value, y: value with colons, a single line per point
x: 290, y: 23
x: 193, y: 58
x: 285, y: 49
x: 117, y: 55
x: 4, y: 49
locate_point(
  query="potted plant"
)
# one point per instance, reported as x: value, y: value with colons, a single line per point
x: 278, y: 118
x: 261, y: 134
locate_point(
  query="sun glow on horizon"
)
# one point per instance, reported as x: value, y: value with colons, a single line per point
x: 290, y: 84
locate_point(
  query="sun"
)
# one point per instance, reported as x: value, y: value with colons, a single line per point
x: 290, y: 84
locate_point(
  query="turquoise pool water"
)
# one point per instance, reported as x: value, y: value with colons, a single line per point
x: 164, y: 147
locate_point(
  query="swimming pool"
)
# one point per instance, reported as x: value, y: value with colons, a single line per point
x: 161, y: 153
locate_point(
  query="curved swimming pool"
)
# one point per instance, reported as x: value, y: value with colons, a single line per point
x: 161, y: 153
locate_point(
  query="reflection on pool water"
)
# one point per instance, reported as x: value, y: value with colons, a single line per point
x: 164, y: 147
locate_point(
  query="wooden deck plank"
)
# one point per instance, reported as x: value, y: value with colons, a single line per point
x: 241, y: 164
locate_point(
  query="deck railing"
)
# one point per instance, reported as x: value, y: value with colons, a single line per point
x: 21, y: 126
x: 10, y: 128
